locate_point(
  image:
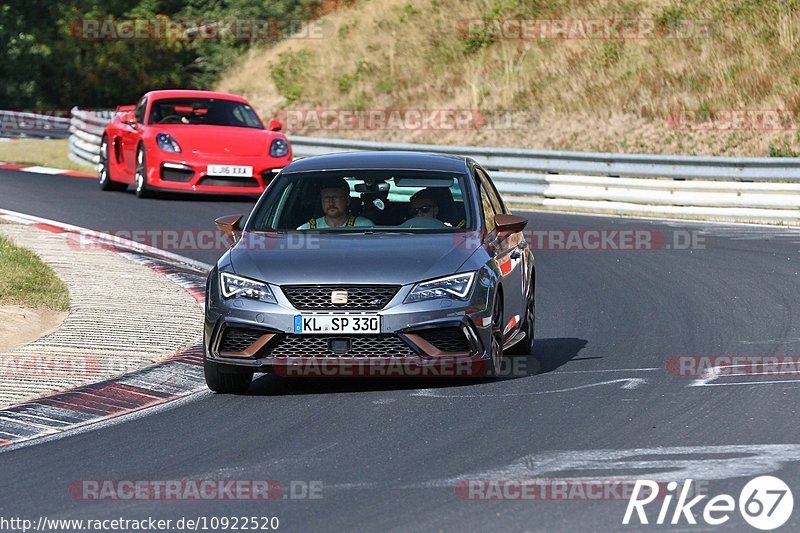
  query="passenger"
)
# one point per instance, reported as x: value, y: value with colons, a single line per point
x: 424, y: 204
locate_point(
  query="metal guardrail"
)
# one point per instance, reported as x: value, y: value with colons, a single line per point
x: 606, y: 164
x: 86, y: 129
x: 23, y: 124
x: 758, y: 190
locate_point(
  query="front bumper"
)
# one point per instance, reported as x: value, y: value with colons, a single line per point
x: 189, y: 172
x: 416, y: 339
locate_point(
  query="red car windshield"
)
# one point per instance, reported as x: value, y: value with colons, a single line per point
x: 207, y: 111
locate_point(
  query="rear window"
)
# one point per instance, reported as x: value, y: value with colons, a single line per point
x: 367, y: 200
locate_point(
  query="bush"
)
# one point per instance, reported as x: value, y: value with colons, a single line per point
x: 288, y: 74
x: 782, y: 150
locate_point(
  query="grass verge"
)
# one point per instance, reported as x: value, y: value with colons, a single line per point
x: 42, y: 152
x: 27, y: 281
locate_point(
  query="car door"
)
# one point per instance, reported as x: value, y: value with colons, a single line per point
x: 130, y: 138
x: 509, y: 256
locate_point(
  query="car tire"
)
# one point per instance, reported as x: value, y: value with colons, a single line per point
x: 525, y: 346
x: 226, y: 379
x: 104, y: 170
x: 140, y: 178
x: 494, y: 364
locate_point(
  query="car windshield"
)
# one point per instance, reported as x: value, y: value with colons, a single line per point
x: 206, y: 111
x: 365, y: 200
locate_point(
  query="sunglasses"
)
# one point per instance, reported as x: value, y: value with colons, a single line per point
x: 424, y: 209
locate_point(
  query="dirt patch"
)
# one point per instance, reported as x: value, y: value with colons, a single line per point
x: 20, y: 326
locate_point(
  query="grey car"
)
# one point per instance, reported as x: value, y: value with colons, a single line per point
x: 371, y: 264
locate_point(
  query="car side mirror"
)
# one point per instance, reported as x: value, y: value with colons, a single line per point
x: 274, y: 125
x: 230, y: 225
x: 128, y: 118
x: 510, y: 223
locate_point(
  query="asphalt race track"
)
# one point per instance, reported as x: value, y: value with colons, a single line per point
x: 596, y: 398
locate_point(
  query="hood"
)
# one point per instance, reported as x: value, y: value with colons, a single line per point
x: 394, y: 259
x: 216, y: 139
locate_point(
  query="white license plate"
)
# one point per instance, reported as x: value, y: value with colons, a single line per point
x: 337, y: 324
x: 230, y: 170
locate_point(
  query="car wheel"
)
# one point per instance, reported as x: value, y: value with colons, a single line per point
x: 495, y: 362
x: 142, y: 190
x: 525, y: 346
x: 104, y: 170
x: 226, y: 379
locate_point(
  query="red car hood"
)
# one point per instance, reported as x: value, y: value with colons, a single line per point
x: 220, y: 140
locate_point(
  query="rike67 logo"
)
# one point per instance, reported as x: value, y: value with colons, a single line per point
x: 765, y: 503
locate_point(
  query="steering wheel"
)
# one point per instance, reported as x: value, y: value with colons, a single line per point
x: 171, y: 119
x: 423, y: 223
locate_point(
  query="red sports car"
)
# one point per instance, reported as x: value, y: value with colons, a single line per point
x: 191, y: 141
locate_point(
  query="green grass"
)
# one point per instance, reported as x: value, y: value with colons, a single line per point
x: 44, y: 152
x: 27, y: 281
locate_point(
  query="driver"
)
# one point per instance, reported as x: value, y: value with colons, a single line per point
x: 335, y: 198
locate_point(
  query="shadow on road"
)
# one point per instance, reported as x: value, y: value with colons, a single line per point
x: 197, y: 197
x: 549, y: 354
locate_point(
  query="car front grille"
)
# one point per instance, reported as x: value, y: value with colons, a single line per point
x: 229, y: 181
x: 238, y: 339
x: 372, y: 297
x: 182, y: 175
x: 450, y: 339
x: 320, y: 346
x: 268, y: 175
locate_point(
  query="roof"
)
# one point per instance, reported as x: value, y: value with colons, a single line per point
x: 379, y: 160
x: 186, y: 93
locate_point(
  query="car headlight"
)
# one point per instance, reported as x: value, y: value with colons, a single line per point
x: 167, y: 143
x: 237, y: 286
x: 279, y: 148
x: 456, y: 287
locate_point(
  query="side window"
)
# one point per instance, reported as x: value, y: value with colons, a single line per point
x: 494, y: 197
x: 282, y: 213
x: 139, y: 111
x: 488, y: 210
x: 248, y: 116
